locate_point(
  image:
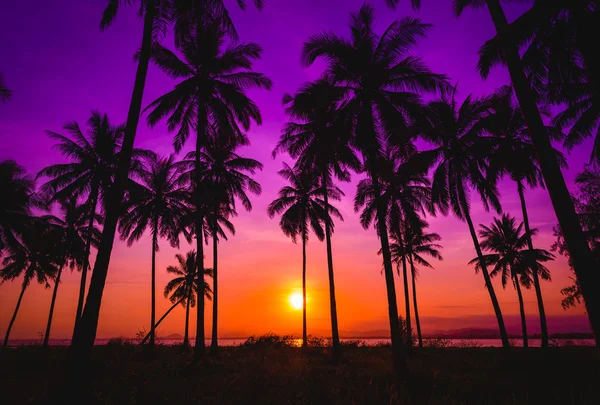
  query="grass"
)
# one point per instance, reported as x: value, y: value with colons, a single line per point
x: 267, y: 371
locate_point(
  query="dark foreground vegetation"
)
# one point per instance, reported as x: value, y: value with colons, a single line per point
x: 274, y: 373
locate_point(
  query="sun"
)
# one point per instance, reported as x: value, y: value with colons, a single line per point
x: 296, y: 300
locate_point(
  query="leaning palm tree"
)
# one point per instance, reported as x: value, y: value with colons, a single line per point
x: 302, y: 208
x: 158, y: 203
x: 318, y: 135
x: 380, y: 80
x: 584, y: 264
x: 211, y: 98
x: 71, y: 230
x: 512, y: 259
x: 459, y: 159
x: 34, y: 258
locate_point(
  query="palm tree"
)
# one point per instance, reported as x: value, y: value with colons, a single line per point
x: 411, y: 244
x: 302, y: 208
x: 210, y: 97
x: 183, y: 288
x: 319, y: 138
x: 72, y: 233
x: 515, y: 155
x: 5, y: 92
x: 513, y: 259
x: 460, y: 152
x: 35, y: 258
x: 158, y: 202
x: 584, y: 264
x: 406, y: 194
x: 380, y: 82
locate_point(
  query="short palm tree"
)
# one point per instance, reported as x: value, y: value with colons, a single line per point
x: 513, y: 259
x: 183, y: 288
x: 302, y: 208
x: 381, y: 82
x: 158, y: 203
x: 34, y: 259
x: 5, y: 92
x: 459, y: 155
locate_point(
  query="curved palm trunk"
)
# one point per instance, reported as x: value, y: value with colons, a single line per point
x: 407, y: 303
x: 54, y: 293
x: 304, y: 337
x: 85, y: 330
x: 336, y: 349
x: 486, y: 275
x: 12, y: 320
x: 214, y: 344
x: 161, y: 319
x: 199, y: 344
x: 414, y: 288
x: 153, y: 295
x: 522, y: 310
x: 536, y: 278
x: 584, y: 264
x: 88, y: 248
x: 186, y: 338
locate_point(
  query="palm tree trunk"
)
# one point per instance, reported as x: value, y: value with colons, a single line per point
x: 160, y: 320
x: 199, y: 345
x: 304, y: 337
x: 85, y: 330
x: 407, y: 303
x: 88, y: 248
x: 584, y: 264
x: 186, y: 339
x: 486, y: 275
x: 522, y: 309
x: 536, y: 278
x: 414, y: 288
x: 12, y: 320
x: 336, y: 349
x: 153, y: 295
x: 214, y: 344
x: 54, y: 293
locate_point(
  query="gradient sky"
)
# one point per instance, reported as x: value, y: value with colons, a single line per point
x: 60, y: 67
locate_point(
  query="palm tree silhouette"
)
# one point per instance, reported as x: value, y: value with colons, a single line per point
x: 183, y: 288
x: 584, y: 264
x: 459, y: 155
x: 319, y: 138
x: 158, y: 203
x: 513, y: 259
x: 35, y: 258
x: 380, y: 80
x: 5, y: 92
x: 406, y: 194
x: 71, y: 230
x: 302, y: 207
x: 211, y: 97
x: 515, y: 155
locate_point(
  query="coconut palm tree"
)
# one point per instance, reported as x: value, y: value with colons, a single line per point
x: 183, y: 288
x: 158, y: 203
x: 71, y: 230
x: 380, y: 80
x: 406, y: 194
x: 513, y: 259
x: 302, y: 208
x: 514, y: 155
x: 584, y: 264
x: 459, y: 159
x: 5, y: 92
x: 318, y: 136
x: 34, y: 259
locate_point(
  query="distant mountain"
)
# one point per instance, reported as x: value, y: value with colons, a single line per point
x: 173, y: 336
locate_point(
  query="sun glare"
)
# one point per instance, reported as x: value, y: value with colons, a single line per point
x: 296, y: 301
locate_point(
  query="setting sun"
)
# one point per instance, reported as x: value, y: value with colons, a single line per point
x: 296, y: 301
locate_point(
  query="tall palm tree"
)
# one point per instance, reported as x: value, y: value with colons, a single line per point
x: 513, y: 259
x: 584, y: 264
x: 514, y: 155
x: 35, y: 258
x: 459, y: 159
x: 406, y: 194
x: 318, y: 136
x: 158, y: 203
x: 302, y: 208
x: 211, y: 97
x: 412, y: 244
x: 380, y: 80
x: 5, y: 92
x: 71, y: 230
x: 183, y: 288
